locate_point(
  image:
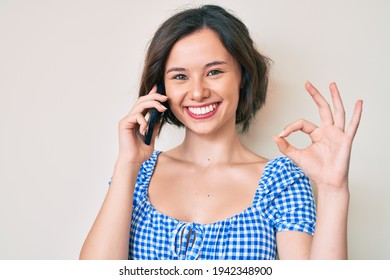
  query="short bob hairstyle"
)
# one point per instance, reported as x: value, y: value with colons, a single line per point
x: 233, y: 34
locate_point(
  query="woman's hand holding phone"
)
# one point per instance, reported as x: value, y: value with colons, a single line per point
x: 132, y: 148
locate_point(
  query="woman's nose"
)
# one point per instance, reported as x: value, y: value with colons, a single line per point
x: 199, y: 91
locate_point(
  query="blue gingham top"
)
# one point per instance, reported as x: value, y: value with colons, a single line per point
x: 283, y: 201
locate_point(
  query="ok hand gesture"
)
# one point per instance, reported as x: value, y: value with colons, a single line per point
x: 326, y: 160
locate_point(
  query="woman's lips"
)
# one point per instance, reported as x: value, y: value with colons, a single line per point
x: 202, y: 112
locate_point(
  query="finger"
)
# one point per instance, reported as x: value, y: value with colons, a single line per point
x: 302, y: 125
x: 143, y: 105
x: 143, y: 124
x: 155, y: 89
x: 323, y: 106
x: 339, y: 112
x: 287, y: 149
x: 132, y: 120
x: 154, y: 96
x: 153, y: 104
x: 354, y: 124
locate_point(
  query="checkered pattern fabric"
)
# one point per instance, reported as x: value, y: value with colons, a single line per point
x: 283, y: 201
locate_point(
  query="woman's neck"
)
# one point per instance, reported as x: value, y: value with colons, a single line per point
x: 208, y: 150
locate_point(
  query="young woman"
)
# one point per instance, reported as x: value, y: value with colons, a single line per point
x: 211, y: 197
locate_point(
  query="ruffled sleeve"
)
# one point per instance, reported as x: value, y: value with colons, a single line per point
x: 286, y: 198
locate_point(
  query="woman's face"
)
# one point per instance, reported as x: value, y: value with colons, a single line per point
x: 202, y: 82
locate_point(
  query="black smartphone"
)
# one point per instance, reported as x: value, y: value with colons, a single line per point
x: 154, y: 117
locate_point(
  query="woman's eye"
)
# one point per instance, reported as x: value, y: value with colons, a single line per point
x: 180, y: 77
x: 213, y: 72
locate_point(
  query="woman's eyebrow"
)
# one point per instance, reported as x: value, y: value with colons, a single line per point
x: 176, y: 69
x: 210, y: 64
x: 214, y: 63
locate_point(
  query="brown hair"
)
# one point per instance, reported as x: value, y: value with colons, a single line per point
x: 235, y: 37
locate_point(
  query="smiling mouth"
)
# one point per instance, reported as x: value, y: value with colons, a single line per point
x: 199, y: 111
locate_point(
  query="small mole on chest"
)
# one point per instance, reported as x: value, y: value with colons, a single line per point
x: 198, y: 194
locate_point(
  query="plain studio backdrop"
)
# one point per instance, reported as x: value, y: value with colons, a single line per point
x: 69, y: 71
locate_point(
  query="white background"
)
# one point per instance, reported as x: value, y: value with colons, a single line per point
x: 69, y: 70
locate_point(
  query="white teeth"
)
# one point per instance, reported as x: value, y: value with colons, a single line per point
x: 202, y: 110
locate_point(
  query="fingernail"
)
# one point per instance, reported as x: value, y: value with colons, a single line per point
x: 281, y: 134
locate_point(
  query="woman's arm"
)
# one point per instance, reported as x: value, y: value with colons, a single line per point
x: 326, y: 162
x: 109, y: 235
x: 330, y: 237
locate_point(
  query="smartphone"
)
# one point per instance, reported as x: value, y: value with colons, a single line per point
x: 154, y: 117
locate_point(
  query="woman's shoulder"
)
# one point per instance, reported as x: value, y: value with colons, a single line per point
x: 282, y: 178
x: 280, y: 164
x: 282, y: 170
x: 147, y: 166
x: 158, y: 160
x: 152, y: 159
x: 277, y: 164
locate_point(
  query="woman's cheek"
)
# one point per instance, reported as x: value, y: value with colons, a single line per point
x: 175, y: 109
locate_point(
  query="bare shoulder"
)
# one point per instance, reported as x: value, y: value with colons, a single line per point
x: 171, y: 161
x: 252, y: 157
x: 170, y: 156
